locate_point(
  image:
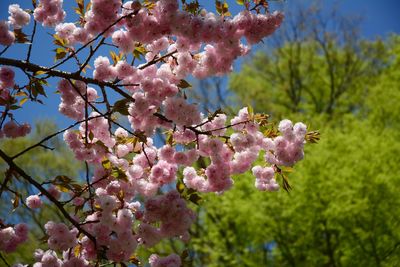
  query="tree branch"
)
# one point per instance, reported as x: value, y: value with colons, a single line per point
x: 27, y: 66
x: 44, y: 192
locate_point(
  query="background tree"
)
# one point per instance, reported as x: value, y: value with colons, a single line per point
x: 52, y: 159
x: 315, y: 64
x: 343, y: 210
x: 134, y: 193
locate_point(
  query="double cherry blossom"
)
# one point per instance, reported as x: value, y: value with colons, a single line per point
x: 128, y: 201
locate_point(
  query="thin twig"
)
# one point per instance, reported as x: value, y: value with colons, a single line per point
x: 4, y: 260
x: 4, y: 50
x: 91, y: 54
x: 51, y: 136
x: 28, y: 56
x: 94, y: 39
x: 91, y: 197
x: 44, y: 192
x: 103, y: 91
x: 27, y: 66
x: 155, y: 60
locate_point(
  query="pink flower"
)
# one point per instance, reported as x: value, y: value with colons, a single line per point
x: 7, y: 77
x: 33, y: 202
x: 172, y: 260
x: 6, y: 37
x: 18, y: 17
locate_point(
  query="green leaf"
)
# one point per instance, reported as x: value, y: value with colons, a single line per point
x: 250, y: 110
x: 287, y: 169
x: 59, y: 41
x: 22, y: 101
x: 184, y: 254
x: 21, y: 93
x: 119, y: 174
x: 106, y: 164
x: 39, y: 88
x: 115, y: 58
x: 121, y: 106
x: 39, y: 72
x: 20, y: 37
x: 195, y: 198
x: 139, y: 51
x: 61, y: 179
x: 62, y: 188
x: 285, y: 183
x: 15, y: 203
x: 133, y: 259
x: 192, y: 7
x: 80, y: 10
x: 184, y: 84
x: 14, y: 107
x: 91, y: 136
x: 170, y: 138
x: 180, y: 187
x: 222, y: 8
x: 60, y: 53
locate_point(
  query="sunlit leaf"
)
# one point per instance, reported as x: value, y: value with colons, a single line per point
x: 121, y: 106
x: 15, y: 203
x: 60, y: 53
x: 20, y: 37
x: 22, y: 101
x: 184, y: 84
x: 39, y: 72
x: 195, y: 198
x: 59, y: 41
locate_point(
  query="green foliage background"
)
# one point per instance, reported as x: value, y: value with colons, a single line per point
x: 344, y: 209
x: 42, y: 164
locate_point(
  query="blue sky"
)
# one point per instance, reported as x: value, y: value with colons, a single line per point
x: 379, y: 19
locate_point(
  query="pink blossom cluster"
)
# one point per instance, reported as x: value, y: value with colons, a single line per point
x: 11, y: 237
x: 33, y: 202
x: 13, y: 130
x: 46, y: 259
x: 223, y: 36
x: 127, y: 165
x: 217, y: 176
x: 60, y: 237
x: 265, y: 178
x: 18, y: 17
x: 72, y: 98
x: 101, y: 15
x: 6, y: 83
x: 182, y: 113
x: 166, y: 18
x: 49, y: 258
x: 49, y: 12
x: 72, y: 34
x: 104, y: 71
x: 151, y: 168
x: 112, y: 227
x: 10, y: 129
x: 171, y: 260
x: 165, y: 209
x: 92, y: 140
x: 246, y: 144
x: 287, y: 149
x: 7, y: 37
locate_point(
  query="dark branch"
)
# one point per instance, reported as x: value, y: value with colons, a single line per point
x: 44, y: 192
